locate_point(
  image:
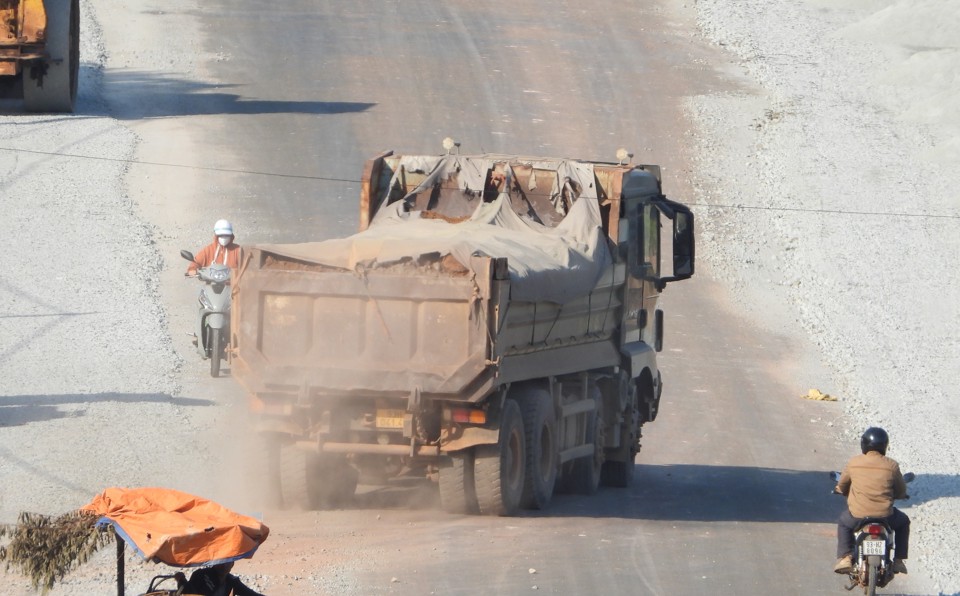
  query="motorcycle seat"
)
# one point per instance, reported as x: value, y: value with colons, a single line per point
x: 874, y: 520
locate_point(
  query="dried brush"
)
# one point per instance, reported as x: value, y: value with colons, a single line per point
x: 46, y: 548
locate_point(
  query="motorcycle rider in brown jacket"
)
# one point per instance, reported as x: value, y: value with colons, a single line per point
x: 871, y: 482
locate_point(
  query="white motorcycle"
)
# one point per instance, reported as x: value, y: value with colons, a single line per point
x: 213, y: 315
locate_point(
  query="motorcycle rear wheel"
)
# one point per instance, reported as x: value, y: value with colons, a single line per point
x: 872, y: 579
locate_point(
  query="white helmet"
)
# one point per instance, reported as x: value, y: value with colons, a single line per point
x: 223, y: 228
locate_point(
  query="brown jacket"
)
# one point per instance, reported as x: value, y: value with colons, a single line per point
x: 871, y: 482
x: 228, y: 255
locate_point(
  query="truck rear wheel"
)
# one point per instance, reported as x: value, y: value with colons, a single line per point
x: 56, y: 90
x: 457, y: 491
x: 332, y: 480
x: 499, y: 469
x: 540, y: 426
x: 296, y: 465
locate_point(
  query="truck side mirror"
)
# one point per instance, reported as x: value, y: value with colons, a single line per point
x: 682, y: 246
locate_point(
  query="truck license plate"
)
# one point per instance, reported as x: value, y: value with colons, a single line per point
x: 390, y: 418
x: 874, y: 547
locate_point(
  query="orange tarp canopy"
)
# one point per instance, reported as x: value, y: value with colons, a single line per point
x: 178, y: 528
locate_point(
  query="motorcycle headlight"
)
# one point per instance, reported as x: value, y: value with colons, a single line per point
x: 204, y: 301
x: 218, y: 274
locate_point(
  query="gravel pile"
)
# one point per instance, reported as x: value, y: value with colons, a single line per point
x: 89, y: 374
x: 828, y: 189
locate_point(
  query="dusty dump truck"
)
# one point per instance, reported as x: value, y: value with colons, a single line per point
x: 493, y: 326
x: 40, y: 53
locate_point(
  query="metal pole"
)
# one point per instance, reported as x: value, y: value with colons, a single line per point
x: 120, y: 562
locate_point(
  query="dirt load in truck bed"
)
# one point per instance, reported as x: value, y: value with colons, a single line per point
x: 553, y: 263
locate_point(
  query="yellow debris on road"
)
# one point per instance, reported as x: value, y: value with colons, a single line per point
x: 817, y: 395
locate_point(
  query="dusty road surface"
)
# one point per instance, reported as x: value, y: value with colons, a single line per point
x: 263, y: 113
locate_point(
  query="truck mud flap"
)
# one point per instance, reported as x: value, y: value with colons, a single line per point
x: 471, y: 437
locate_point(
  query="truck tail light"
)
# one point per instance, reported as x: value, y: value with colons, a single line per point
x: 468, y: 416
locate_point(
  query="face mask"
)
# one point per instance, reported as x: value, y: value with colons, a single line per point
x: 223, y: 240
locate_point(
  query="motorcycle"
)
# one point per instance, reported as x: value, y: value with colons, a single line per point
x: 874, y: 550
x: 213, y: 315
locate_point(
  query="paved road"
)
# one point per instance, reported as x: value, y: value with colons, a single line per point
x: 730, y: 495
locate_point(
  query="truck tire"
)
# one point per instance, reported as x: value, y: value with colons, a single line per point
x: 499, y: 469
x: 540, y: 427
x: 457, y: 491
x: 296, y: 467
x: 586, y: 471
x: 332, y: 481
x: 618, y: 469
x: 272, y: 444
x: 56, y: 91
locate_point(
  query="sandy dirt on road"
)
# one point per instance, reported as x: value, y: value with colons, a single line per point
x: 833, y: 195
x: 826, y: 193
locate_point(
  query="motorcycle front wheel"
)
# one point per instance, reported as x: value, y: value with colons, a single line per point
x: 216, y: 352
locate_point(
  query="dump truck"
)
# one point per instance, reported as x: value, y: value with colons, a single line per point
x: 493, y: 327
x: 40, y: 53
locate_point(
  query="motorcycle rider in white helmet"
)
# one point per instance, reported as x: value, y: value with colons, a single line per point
x: 222, y: 251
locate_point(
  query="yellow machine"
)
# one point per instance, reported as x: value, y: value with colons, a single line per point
x: 40, y: 53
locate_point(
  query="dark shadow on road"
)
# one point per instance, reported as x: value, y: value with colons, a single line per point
x: 17, y: 410
x: 930, y: 487
x: 87, y: 98
x: 405, y: 493
x: 149, y: 95
x: 687, y: 492
x: 676, y: 493
x: 665, y: 493
x: 712, y: 494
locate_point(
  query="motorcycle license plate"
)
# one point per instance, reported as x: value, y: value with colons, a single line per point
x: 390, y: 418
x: 874, y: 547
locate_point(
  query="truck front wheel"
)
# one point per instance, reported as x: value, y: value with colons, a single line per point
x: 499, y: 469
x: 216, y: 349
x: 585, y: 472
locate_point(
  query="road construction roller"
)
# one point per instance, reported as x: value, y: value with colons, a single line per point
x: 40, y: 53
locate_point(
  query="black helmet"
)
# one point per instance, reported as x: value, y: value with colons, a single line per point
x: 874, y: 439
